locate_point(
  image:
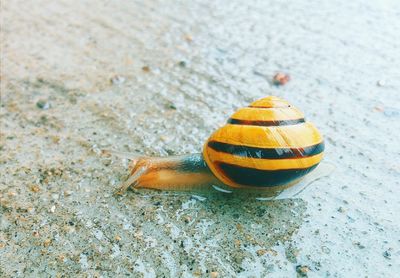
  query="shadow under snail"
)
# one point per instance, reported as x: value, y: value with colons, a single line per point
x: 264, y: 149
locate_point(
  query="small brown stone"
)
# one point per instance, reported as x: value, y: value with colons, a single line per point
x: 68, y: 193
x: 47, y: 242
x: 188, y: 38
x: 12, y: 194
x: 302, y: 270
x: 55, y: 139
x: 261, y: 252
x: 35, y: 188
x: 280, y: 79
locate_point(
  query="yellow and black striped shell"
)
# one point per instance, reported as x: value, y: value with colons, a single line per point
x: 267, y: 144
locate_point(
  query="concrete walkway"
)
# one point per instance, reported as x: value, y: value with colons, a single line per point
x: 156, y: 78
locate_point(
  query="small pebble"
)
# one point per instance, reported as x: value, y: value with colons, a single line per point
x: 187, y: 219
x: 12, y: 194
x: 53, y: 209
x: 171, y: 106
x: 280, y: 79
x: 68, y: 193
x: 387, y: 254
x: 325, y: 249
x: 302, y: 270
x: 341, y: 210
x: 358, y: 244
x: 379, y: 109
x: 261, y: 252
x: 47, y: 242
x: 35, y: 188
x: 188, y: 38
x: 43, y: 104
x: 146, y: 69
x: 55, y: 139
x: 381, y: 83
x: 117, y: 80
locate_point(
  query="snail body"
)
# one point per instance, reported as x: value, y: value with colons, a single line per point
x: 264, y: 148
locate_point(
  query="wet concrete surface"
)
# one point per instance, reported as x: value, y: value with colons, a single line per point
x: 157, y: 78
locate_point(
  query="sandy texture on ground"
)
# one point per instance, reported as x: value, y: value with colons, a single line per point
x: 157, y: 77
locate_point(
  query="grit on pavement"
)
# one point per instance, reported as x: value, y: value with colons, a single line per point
x: 157, y: 78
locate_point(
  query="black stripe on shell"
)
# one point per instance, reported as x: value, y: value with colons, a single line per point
x: 261, y: 178
x: 266, y: 153
x: 265, y: 123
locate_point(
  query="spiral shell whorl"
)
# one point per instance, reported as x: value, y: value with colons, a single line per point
x: 266, y: 144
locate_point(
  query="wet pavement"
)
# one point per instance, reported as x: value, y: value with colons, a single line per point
x: 156, y: 78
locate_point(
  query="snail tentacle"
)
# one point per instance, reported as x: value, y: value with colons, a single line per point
x: 132, y: 181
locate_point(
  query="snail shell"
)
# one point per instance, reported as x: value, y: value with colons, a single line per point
x: 267, y: 144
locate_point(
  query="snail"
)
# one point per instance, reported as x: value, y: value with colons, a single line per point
x: 265, y: 148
